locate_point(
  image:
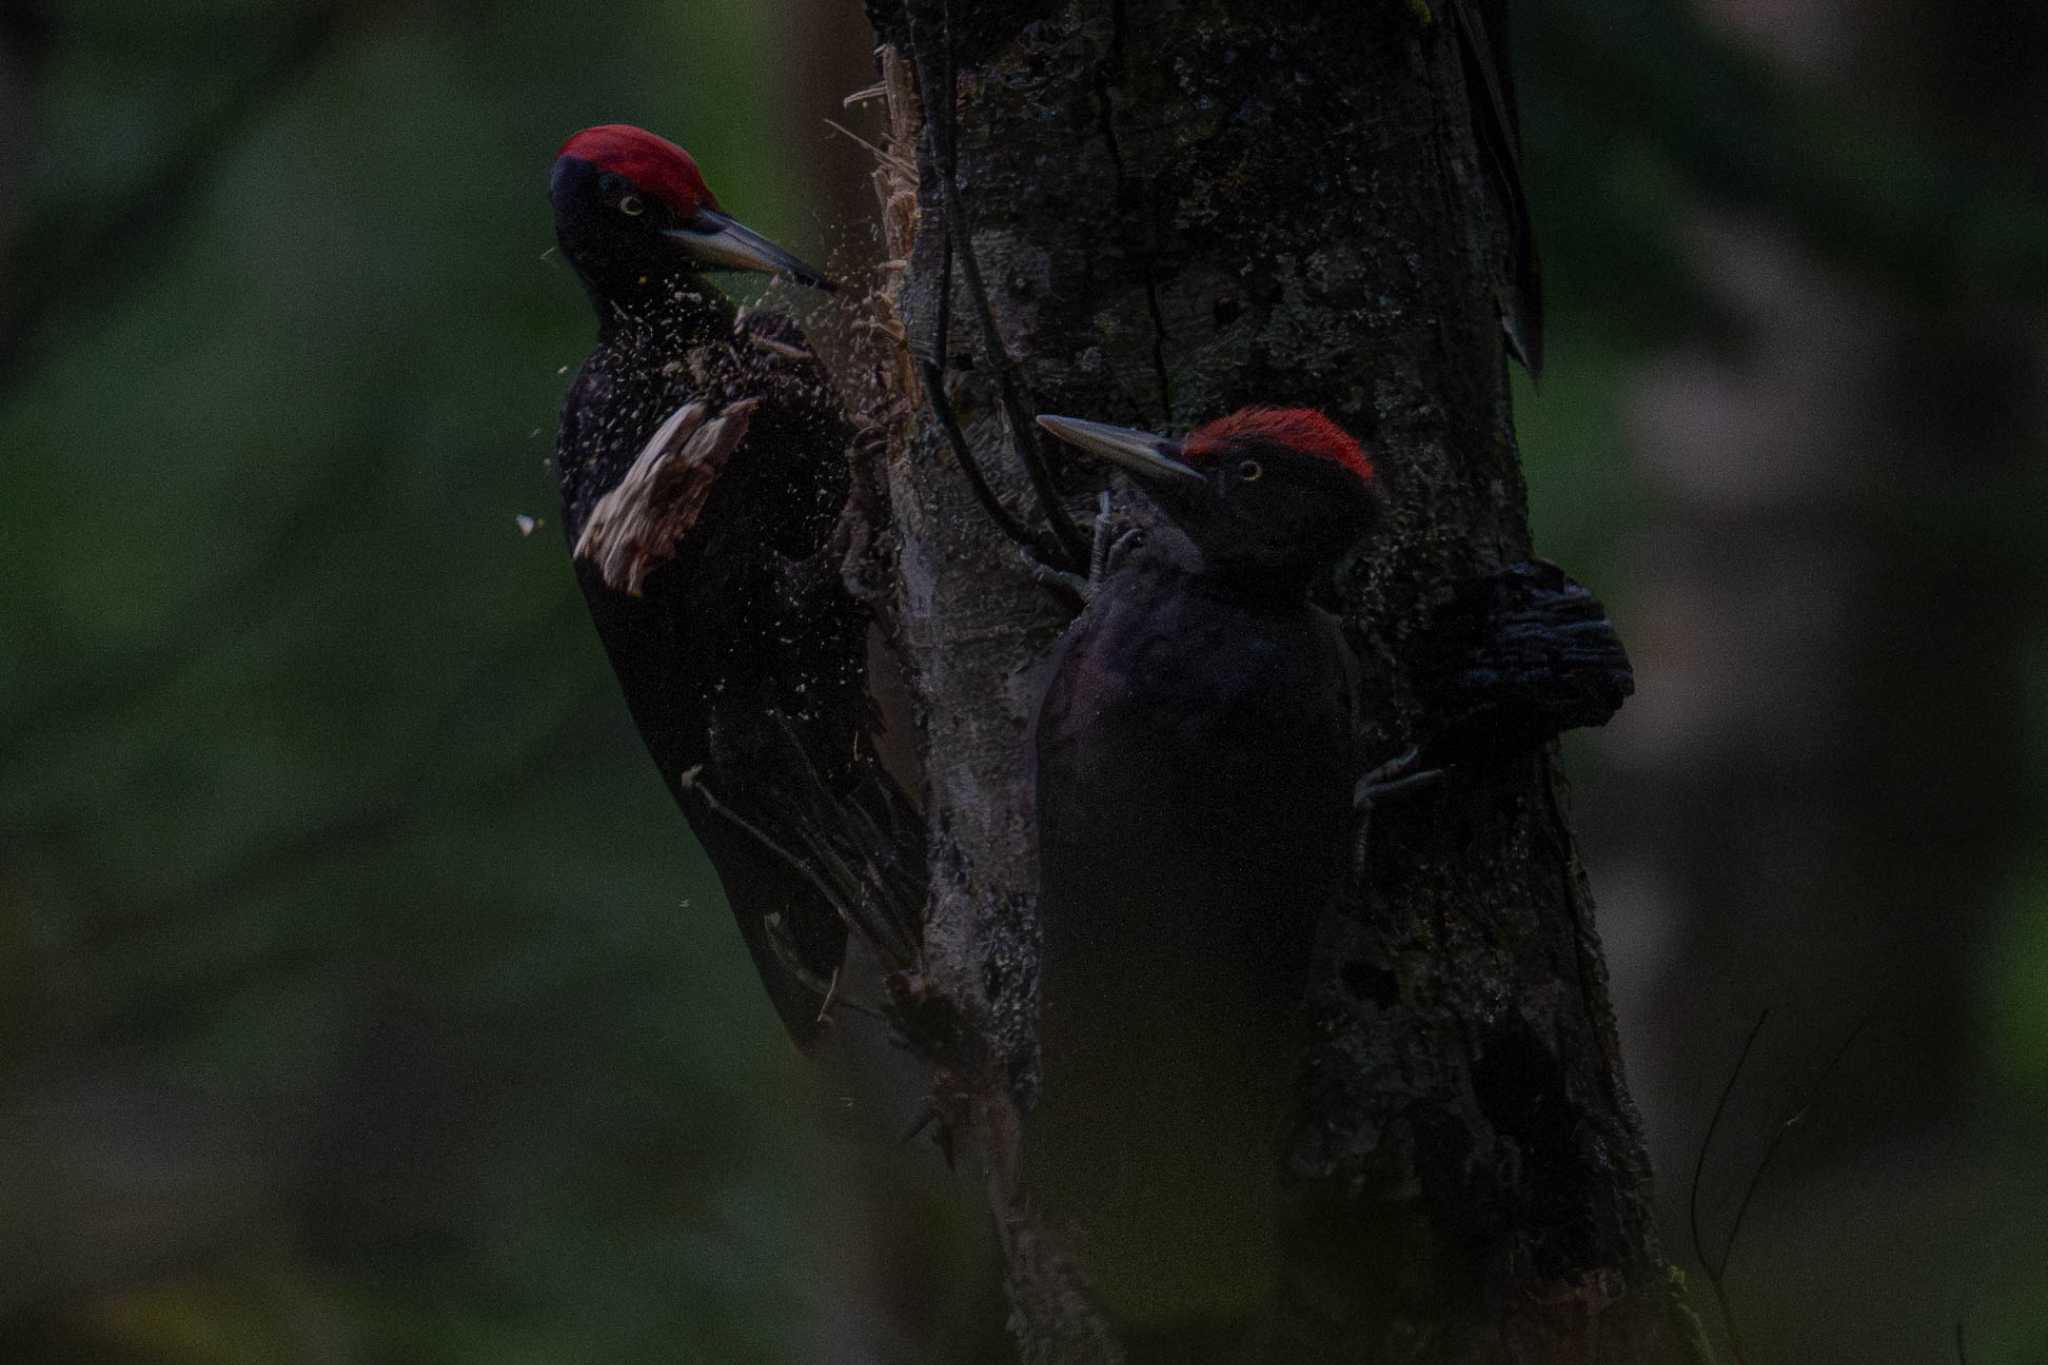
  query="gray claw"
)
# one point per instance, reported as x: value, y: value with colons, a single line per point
x: 1393, y: 778
x: 1113, y: 539
x: 1069, y: 587
x: 1397, y: 775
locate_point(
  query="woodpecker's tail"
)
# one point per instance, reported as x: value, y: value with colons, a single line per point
x: 860, y: 843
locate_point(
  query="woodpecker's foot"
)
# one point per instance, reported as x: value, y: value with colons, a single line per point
x: 1114, y: 538
x: 1396, y: 777
x: 1071, y: 588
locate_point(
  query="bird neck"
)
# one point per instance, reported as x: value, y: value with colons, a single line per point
x: 674, y: 308
x: 1176, y: 561
x: 1256, y: 580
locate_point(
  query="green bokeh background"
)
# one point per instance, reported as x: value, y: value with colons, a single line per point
x: 361, y: 996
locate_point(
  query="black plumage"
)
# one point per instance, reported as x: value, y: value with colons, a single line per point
x: 1196, y: 756
x: 703, y: 463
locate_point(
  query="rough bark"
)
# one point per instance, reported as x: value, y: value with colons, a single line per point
x: 1180, y: 208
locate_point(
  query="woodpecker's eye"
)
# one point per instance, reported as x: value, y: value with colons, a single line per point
x: 1249, y: 471
x: 632, y: 206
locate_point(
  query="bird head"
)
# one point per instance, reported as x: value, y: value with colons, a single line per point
x: 632, y: 208
x: 1271, y: 492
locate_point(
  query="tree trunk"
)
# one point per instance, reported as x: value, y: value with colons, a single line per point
x: 1178, y: 209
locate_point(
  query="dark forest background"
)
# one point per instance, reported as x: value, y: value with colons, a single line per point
x: 362, y: 997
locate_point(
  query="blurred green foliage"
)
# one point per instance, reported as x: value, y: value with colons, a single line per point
x: 339, y: 899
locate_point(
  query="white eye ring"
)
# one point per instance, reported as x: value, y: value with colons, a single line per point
x: 632, y: 205
x: 1249, y: 471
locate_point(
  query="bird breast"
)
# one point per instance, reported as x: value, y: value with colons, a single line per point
x: 1196, y: 738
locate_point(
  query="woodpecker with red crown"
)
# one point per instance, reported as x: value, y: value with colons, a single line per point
x: 1198, y: 750
x: 1196, y: 758
x: 703, y: 462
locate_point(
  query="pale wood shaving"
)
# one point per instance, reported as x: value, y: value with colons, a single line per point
x: 635, y: 528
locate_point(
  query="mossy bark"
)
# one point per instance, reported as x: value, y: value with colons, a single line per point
x: 1181, y: 208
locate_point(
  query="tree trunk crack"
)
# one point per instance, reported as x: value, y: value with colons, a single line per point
x: 1144, y: 251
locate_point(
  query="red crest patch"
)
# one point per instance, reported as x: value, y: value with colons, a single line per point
x: 655, y: 164
x: 1302, y: 429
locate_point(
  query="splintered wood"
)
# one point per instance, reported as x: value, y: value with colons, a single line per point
x: 635, y: 528
x: 891, y: 391
x: 895, y: 182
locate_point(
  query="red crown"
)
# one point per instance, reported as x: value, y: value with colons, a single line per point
x: 655, y: 164
x: 1302, y: 429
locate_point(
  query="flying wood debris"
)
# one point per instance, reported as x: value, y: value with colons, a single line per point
x: 635, y: 527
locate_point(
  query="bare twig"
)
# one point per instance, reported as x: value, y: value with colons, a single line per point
x: 1717, y: 1269
x: 1699, y: 1163
x: 1777, y: 1139
x: 1699, y: 1166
